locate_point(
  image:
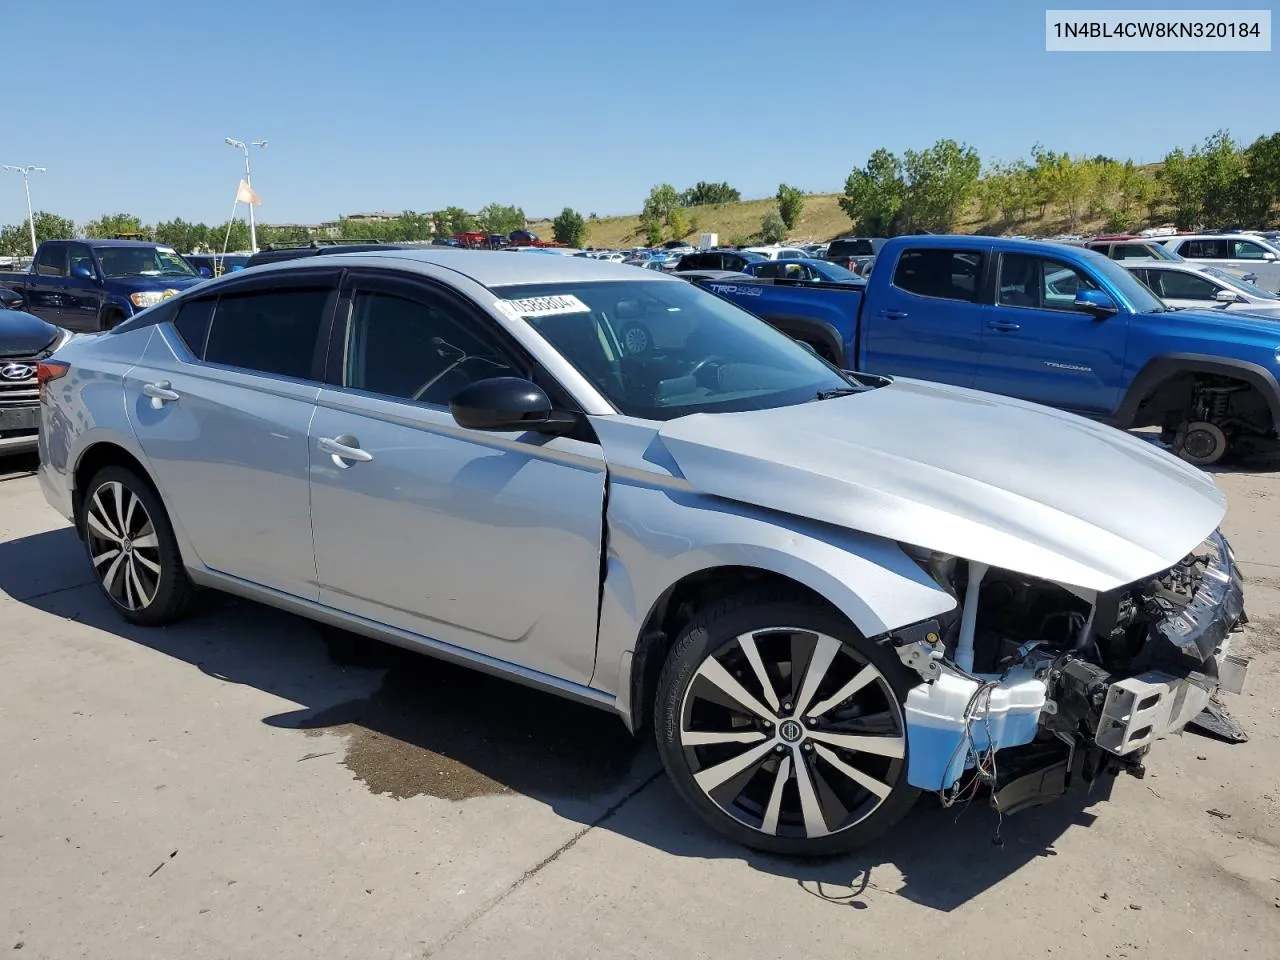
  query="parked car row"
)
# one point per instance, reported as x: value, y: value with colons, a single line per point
x: 820, y: 591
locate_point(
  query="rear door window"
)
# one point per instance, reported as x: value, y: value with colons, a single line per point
x: 1211, y: 248
x: 1177, y: 285
x: 270, y: 331
x: 944, y: 274
x: 1131, y: 251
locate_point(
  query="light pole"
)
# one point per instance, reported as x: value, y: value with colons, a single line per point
x: 26, y: 172
x: 248, y: 178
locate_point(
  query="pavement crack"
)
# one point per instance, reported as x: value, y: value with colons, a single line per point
x: 50, y: 593
x: 533, y: 871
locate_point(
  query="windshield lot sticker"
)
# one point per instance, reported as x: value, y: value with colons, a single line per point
x: 543, y: 306
x: 731, y: 288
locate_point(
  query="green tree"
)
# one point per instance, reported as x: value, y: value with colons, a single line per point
x: 652, y: 228
x: 661, y: 201
x: 874, y: 195
x: 939, y: 182
x: 703, y: 193
x: 1066, y: 181
x: 110, y: 224
x: 368, y: 230
x: 790, y: 204
x: 182, y: 236
x: 1182, y: 176
x: 772, y: 229
x: 678, y: 223
x: 1224, y: 174
x: 451, y: 221
x: 569, y: 228
x: 15, y: 239
x: 1262, y: 187
x: 415, y: 226
x: 269, y: 234
x: 497, y: 218
x: 230, y: 236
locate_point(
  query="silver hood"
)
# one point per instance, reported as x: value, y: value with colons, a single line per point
x: 1007, y: 483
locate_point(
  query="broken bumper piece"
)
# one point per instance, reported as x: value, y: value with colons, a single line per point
x: 1058, y: 717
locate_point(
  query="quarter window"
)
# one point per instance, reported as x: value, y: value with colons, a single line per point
x: 946, y: 274
x: 1038, y: 283
x: 271, y: 332
x: 192, y: 324
x: 414, y: 351
x: 52, y: 260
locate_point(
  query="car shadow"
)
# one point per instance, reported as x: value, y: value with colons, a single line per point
x: 412, y: 726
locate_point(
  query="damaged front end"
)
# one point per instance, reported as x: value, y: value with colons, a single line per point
x: 1031, y: 686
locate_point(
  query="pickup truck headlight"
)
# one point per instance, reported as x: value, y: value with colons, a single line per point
x: 147, y: 298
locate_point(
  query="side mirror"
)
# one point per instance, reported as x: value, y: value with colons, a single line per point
x: 1268, y: 255
x: 1227, y: 296
x: 81, y: 272
x: 1096, y: 302
x: 205, y: 272
x: 507, y: 404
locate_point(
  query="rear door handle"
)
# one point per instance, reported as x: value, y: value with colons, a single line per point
x: 894, y: 314
x: 344, y: 448
x: 161, y: 392
x: 1004, y: 326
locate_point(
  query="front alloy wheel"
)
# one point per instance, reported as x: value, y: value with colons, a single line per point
x: 789, y: 734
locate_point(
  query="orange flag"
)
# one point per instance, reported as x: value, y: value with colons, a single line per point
x: 246, y: 195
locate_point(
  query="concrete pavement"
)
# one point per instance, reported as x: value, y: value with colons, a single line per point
x: 243, y: 786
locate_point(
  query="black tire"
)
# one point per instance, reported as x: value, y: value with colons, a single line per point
x: 111, y: 319
x: 1201, y: 443
x: 169, y: 594
x: 715, y: 631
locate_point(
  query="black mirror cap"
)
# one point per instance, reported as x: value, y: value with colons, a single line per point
x: 501, y: 403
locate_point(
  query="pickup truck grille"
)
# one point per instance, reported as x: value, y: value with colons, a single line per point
x: 22, y: 392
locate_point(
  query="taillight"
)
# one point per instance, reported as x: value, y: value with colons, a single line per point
x: 47, y: 370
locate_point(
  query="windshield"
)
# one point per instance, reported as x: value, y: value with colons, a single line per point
x: 1244, y: 286
x: 832, y: 271
x: 1135, y: 292
x: 142, y: 262
x: 664, y: 349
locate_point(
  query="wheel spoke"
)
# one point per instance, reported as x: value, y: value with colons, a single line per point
x: 880, y: 789
x: 138, y: 590
x: 815, y: 824
x: 147, y: 541
x: 117, y: 494
x: 113, y: 571
x: 128, y: 514
x: 748, y: 643
x: 99, y: 520
x: 714, y: 673
x: 814, y: 674
x: 860, y: 679
x: 712, y: 777
x: 892, y: 746
x: 146, y: 562
x: 698, y: 738
x: 770, y: 823
x: 102, y: 558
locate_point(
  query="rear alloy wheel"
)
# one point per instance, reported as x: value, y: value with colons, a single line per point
x: 132, y: 547
x: 636, y: 339
x: 1200, y: 442
x: 785, y: 729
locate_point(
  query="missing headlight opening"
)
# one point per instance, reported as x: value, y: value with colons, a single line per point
x: 1062, y: 685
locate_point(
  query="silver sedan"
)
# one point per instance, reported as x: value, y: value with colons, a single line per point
x: 1200, y: 286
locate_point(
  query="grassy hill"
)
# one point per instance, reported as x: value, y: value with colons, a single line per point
x: 822, y: 220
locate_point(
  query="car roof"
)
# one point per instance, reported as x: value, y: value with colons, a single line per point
x: 119, y: 243
x: 490, y: 268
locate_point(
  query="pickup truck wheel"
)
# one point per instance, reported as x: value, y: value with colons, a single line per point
x: 1200, y: 442
x: 112, y: 318
x: 783, y: 727
x: 133, y: 550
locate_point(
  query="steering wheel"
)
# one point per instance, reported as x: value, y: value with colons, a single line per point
x: 702, y: 365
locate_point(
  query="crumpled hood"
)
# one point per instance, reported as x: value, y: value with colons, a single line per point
x: 1007, y: 483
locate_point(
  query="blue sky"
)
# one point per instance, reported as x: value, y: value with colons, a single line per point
x: 419, y: 104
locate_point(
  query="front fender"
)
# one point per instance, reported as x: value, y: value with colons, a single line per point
x: 658, y: 535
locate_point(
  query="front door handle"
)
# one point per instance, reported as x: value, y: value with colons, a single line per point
x: 1004, y: 326
x: 344, y: 448
x: 160, y: 392
x: 894, y: 314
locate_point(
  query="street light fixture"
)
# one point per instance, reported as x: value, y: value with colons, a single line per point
x: 26, y: 172
x: 248, y: 179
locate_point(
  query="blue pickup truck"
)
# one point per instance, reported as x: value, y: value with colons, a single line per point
x: 89, y: 285
x: 1046, y: 322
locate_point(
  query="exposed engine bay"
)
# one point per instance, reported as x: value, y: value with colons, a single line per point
x: 1063, y: 684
